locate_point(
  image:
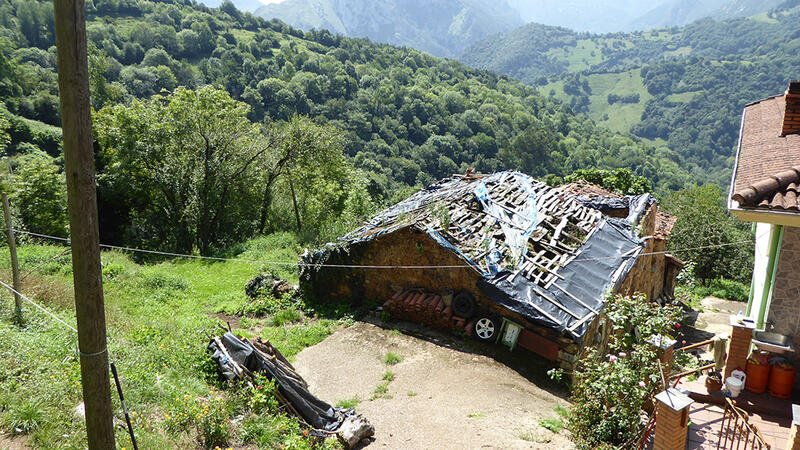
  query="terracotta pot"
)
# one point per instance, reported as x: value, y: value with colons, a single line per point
x: 713, y: 384
x: 781, y: 380
x: 757, y: 377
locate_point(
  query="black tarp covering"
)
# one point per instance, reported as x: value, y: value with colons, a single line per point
x: 315, y: 412
x: 604, y: 259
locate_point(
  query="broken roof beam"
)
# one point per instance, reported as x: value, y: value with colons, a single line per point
x: 580, y: 322
x: 581, y: 302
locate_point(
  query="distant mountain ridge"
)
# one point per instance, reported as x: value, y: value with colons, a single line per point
x: 682, y: 88
x: 439, y: 27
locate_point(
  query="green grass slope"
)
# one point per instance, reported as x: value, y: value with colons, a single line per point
x: 160, y: 314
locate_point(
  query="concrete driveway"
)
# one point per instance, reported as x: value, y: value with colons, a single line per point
x: 445, y: 393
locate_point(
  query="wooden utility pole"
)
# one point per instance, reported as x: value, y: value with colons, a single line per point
x: 12, y: 246
x: 73, y: 87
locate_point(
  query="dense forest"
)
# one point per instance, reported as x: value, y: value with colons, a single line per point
x: 690, y: 84
x: 400, y: 119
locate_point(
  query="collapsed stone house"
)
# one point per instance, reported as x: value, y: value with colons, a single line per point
x: 505, y: 258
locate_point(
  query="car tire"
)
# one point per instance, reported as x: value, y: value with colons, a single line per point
x: 464, y: 305
x: 487, y: 327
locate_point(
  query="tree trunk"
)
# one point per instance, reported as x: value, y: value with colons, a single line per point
x: 294, y: 202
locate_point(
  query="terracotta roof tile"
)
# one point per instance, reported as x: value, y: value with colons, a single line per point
x: 768, y: 163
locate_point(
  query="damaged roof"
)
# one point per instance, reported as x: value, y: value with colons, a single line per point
x: 547, y: 254
x: 600, y: 197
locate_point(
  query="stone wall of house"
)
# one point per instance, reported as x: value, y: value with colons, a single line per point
x: 784, y: 309
x: 647, y: 274
x: 411, y: 247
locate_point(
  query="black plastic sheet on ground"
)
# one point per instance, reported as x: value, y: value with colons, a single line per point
x: 314, y: 411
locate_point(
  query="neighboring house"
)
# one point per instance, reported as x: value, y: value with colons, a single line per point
x: 765, y: 189
x: 503, y: 252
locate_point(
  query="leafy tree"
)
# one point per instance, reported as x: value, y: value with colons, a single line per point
x: 191, y: 161
x: 310, y: 164
x: 718, y: 244
x: 40, y: 195
x: 4, y: 126
x: 621, y: 181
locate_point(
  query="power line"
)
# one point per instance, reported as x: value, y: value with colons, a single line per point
x: 358, y: 266
x: 41, y: 308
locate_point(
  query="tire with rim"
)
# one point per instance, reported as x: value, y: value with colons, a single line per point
x: 464, y: 305
x: 487, y: 327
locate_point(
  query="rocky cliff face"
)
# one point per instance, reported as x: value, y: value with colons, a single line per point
x: 440, y: 27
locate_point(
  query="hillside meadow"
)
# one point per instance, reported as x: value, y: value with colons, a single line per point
x: 160, y: 315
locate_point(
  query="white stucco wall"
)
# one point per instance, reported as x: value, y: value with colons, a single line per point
x: 764, y: 233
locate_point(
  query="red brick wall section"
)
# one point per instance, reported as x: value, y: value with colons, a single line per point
x: 738, y: 349
x: 670, y: 431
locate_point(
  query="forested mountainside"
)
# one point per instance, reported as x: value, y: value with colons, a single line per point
x: 404, y: 118
x: 683, y: 12
x: 683, y: 88
x: 439, y: 27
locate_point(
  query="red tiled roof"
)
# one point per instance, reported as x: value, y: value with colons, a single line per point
x: 768, y: 169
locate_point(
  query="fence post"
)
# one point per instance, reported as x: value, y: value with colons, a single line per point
x: 12, y: 246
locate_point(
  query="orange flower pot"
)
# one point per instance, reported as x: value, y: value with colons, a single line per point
x: 781, y: 380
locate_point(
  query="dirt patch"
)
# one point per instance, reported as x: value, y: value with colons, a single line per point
x: 8, y: 442
x: 445, y: 393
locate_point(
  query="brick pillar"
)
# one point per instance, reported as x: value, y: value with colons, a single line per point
x: 665, y: 347
x: 672, y: 420
x: 794, y: 433
x: 739, y: 345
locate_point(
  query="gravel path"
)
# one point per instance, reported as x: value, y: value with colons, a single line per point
x: 444, y: 395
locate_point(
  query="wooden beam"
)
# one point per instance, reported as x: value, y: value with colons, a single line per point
x: 555, y: 302
x: 73, y: 87
x: 576, y: 299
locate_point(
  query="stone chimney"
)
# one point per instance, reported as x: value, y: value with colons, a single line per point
x: 791, y: 118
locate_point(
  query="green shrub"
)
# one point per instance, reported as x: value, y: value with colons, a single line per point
x: 154, y: 279
x: 112, y: 270
x: 348, y: 403
x: 723, y: 288
x: 553, y: 424
x: 207, y: 417
x: 25, y: 417
x: 285, y: 316
x: 392, y: 358
x: 610, y: 389
x: 261, y: 395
